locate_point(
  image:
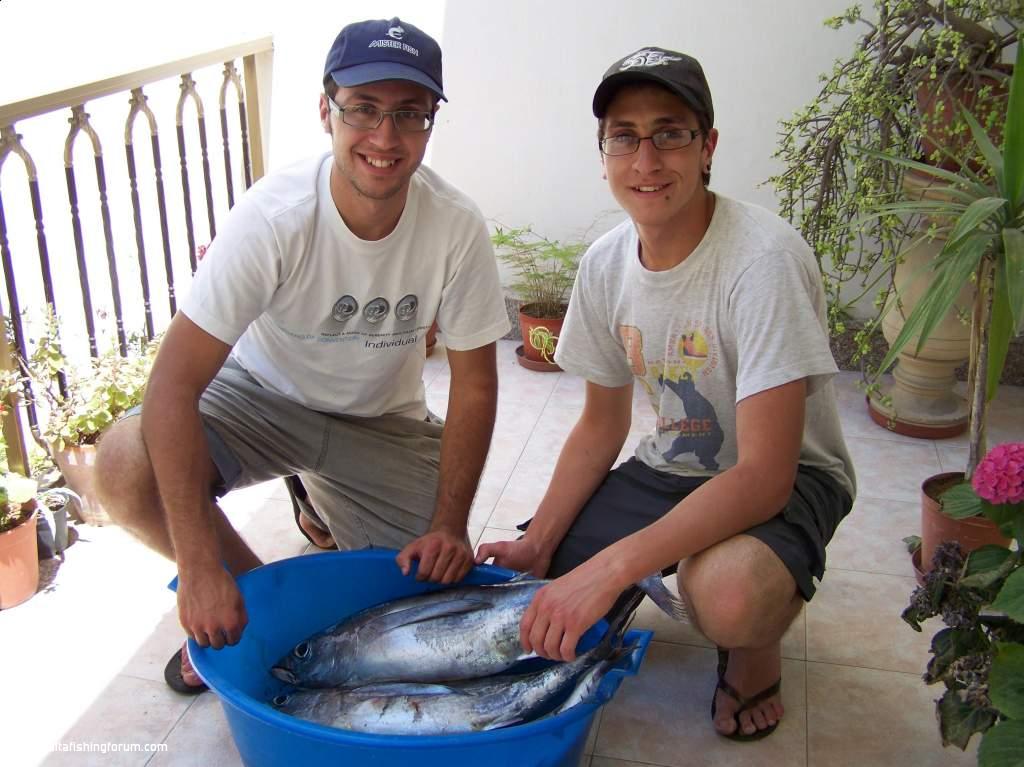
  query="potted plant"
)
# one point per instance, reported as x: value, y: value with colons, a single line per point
x: 79, y: 402
x: 544, y: 271
x: 979, y: 655
x: 19, y: 554
x: 982, y: 212
x: 896, y: 94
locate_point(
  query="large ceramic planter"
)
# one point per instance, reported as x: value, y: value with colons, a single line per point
x: 921, y: 401
x: 78, y: 465
x: 540, y: 338
x: 971, y: 533
x: 19, y: 563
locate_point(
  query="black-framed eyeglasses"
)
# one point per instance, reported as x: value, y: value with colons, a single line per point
x: 677, y: 138
x: 366, y: 117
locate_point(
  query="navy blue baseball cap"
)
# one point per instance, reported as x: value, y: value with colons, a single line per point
x: 381, y: 49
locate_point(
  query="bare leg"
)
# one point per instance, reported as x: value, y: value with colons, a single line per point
x: 128, y: 491
x: 743, y: 598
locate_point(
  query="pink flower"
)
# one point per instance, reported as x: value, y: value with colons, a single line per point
x: 999, y: 477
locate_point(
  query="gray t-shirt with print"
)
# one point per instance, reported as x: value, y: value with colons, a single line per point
x: 745, y: 312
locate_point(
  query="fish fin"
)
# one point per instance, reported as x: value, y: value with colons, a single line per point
x: 392, y: 689
x: 669, y: 603
x: 428, y: 612
x: 525, y: 656
x: 503, y: 722
x: 520, y: 577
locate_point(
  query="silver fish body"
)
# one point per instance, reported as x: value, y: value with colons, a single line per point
x: 433, y: 709
x: 460, y: 633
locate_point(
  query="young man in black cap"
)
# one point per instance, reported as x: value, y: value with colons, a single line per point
x: 715, y: 308
x: 300, y: 349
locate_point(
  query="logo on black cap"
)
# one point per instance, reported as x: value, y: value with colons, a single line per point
x: 395, y: 33
x: 648, y: 58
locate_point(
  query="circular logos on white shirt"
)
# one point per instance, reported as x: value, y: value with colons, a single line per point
x: 405, y: 309
x: 344, y: 308
x: 376, y: 310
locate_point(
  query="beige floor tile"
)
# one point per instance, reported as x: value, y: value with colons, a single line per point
x: 128, y: 711
x: 893, y: 470
x: 853, y: 411
x: 870, y: 539
x: 201, y: 737
x: 952, y: 457
x: 859, y: 717
x: 662, y: 716
x: 854, y: 620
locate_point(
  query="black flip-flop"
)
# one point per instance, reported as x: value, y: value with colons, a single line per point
x: 174, y: 679
x: 300, y: 499
x: 745, y: 703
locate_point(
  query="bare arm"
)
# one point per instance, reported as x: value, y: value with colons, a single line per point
x: 588, y: 454
x: 769, y: 432
x: 444, y: 553
x: 209, y: 605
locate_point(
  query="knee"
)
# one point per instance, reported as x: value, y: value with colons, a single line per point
x: 726, y: 606
x: 124, y: 479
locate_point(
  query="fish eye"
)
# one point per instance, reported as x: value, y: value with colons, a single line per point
x: 280, y: 700
x: 302, y: 650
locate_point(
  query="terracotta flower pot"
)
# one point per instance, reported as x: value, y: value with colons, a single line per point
x: 540, y: 338
x: 971, y: 533
x: 19, y: 563
x: 78, y: 465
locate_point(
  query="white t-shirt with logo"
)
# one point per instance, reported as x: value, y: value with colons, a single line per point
x: 335, y: 322
x: 744, y: 312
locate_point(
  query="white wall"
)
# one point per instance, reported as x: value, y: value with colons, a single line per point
x: 519, y: 136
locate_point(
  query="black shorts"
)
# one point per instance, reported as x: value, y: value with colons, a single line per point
x: 633, y: 495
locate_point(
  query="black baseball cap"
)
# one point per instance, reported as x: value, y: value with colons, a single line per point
x: 382, y: 49
x: 676, y: 71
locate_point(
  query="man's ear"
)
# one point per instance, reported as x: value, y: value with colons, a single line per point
x: 325, y: 115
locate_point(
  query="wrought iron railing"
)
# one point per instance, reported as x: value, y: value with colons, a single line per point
x: 157, y: 236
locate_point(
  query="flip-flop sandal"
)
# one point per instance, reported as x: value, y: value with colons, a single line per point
x: 746, y: 704
x: 174, y: 679
x: 299, y: 499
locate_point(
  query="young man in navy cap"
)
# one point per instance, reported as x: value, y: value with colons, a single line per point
x: 300, y: 349
x: 715, y: 308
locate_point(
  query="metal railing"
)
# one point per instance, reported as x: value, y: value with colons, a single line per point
x: 160, y: 240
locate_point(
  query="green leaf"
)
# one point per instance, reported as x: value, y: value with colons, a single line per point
x: 1013, y: 134
x: 958, y: 721
x: 1010, y: 599
x: 988, y: 150
x: 974, y: 218
x: 1006, y: 680
x: 1000, y: 513
x: 1000, y: 334
x: 1013, y: 266
x: 986, y: 566
x: 960, y: 501
x: 1003, y: 745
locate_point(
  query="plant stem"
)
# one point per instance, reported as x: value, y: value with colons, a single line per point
x: 980, y: 335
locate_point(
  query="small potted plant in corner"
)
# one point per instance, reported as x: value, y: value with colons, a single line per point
x: 979, y: 655
x: 897, y: 93
x: 982, y: 214
x: 544, y: 271
x: 19, y: 553
x: 94, y: 395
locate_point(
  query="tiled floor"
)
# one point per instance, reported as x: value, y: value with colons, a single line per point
x: 81, y: 662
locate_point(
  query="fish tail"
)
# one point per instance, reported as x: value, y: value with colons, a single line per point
x: 669, y: 603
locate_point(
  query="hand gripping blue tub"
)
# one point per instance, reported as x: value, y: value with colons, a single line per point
x: 294, y: 598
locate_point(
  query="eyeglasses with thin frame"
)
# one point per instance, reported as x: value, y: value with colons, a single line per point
x: 677, y: 138
x: 366, y: 117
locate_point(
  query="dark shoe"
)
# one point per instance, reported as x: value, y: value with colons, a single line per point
x: 745, y: 703
x: 174, y: 679
x: 304, y: 513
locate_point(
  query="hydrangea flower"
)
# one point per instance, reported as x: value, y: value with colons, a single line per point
x: 999, y: 477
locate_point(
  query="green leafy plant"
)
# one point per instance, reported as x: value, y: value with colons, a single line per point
x: 15, y: 492
x: 979, y: 655
x: 544, y: 269
x: 980, y: 213
x: 94, y: 394
x: 914, y: 53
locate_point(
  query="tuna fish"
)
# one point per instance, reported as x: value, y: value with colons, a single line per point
x: 461, y: 633
x: 405, y: 708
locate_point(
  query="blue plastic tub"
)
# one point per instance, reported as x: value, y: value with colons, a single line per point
x: 291, y: 599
